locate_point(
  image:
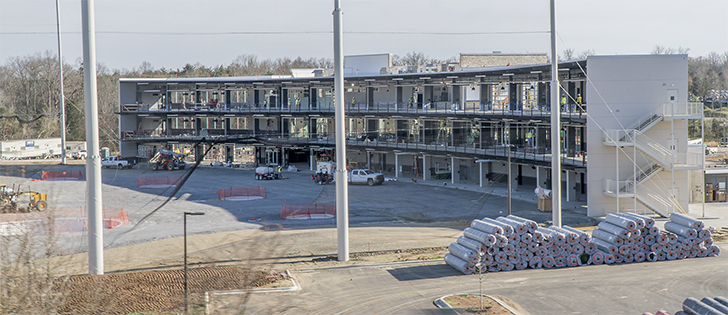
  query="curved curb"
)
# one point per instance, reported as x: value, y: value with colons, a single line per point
x: 440, y: 303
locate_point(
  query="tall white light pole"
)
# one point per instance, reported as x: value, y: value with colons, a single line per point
x: 63, y: 100
x: 93, y: 161
x: 342, y: 186
x: 555, y: 128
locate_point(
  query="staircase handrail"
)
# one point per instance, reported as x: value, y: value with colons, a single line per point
x: 658, y: 151
x: 654, y: 200
x: 659, y: 110
x: 617, y: 135
x: 685, y: 109
x: 689, y: 158
x: 610, y: 186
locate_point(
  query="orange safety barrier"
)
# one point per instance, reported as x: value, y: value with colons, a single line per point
x: 158, y: 182
x: 116, y: 221
x: 241, y: 193
x: 64, y: 175
x: 304, y: 211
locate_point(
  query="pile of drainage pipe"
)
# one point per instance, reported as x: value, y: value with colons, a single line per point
x: 512, y: 242
x: 706, y: 306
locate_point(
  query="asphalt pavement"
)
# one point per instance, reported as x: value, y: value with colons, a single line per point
x: 411, y: 288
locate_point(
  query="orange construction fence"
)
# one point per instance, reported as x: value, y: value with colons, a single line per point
x: 165, y: 181
x: 64, y: 175
x: 299, y: 211
x: 109, y: 222
x: 116, y: 221
x: 235, y: 192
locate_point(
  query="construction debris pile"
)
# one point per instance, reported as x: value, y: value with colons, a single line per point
x: 511, y: 242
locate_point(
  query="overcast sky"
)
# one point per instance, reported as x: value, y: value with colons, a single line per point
x: 171, y: 33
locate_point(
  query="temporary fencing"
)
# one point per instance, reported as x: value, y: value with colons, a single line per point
x: 511, y: 242
x: 117, y: 220
x: 235, y: 193
x: 305, y: 211
x: 55, y: 221
x: 61, y: 175
x: 158, y: 182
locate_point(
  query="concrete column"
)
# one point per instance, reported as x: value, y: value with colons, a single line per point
x: 482, y: 176
x: 454, y: 175
x: 538, y: 176
x: 397, y: 171
x: 568, y: 186
x: 369, y: 160
x: 312, y: 160
x: 426, y: 161
x: 463, y: 95
x: 571, y: 183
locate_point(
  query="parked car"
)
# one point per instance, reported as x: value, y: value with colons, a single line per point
x: 79, y: 155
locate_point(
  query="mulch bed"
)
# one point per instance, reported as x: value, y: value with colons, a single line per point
x: 161, y: 292
x: 470, y: 304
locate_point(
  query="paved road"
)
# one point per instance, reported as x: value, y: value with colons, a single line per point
x: 411, y: 288
x: 399, y: 202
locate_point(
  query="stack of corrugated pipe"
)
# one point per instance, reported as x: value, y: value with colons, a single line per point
x: 706, y: 306
x: 629, y: 237
x: 511, y: 242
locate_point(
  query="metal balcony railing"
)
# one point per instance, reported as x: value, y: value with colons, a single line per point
x: 542, y: 111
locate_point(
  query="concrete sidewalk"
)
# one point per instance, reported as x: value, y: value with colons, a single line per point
x: 522, y: 193
x: 715, y: 214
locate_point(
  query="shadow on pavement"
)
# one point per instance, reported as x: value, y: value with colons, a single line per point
x: 423, y: 272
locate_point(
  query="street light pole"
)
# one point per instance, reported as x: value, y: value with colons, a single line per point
x: 187, y: 298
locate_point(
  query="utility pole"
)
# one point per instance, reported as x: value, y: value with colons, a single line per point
x: 555, y: 127
x: 508, y: 140
x: 62, y: 97
x: 93, y: 160
x: 342, y: 187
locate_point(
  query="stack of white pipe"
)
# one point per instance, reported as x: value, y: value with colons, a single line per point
x: 637, y: 239
x: 508, y: 243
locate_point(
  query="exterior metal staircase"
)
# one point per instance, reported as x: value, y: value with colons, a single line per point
x: 662, y: 158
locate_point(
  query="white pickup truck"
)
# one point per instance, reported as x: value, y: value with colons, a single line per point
x: 79, y: 155
x: 366, y: 176
x: 114, y: 161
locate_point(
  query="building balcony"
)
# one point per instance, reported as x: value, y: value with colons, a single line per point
x: 570, y: 111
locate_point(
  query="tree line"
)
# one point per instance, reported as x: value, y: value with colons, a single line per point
x: 30, y: 101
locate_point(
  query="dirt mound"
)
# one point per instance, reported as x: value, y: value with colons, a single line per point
x: 152, y: 291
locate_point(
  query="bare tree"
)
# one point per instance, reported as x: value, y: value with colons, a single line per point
x: 567, y: 54
x: 587, y: 53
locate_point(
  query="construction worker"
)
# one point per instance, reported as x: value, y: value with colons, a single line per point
x: 289, y: 102
x: 280, y: 170
x: 529, y: 137
x: 353, y: 101
x: 298, y: 103
x: 563, y: 102
x: 578, y: 104
x: 410, y: 102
